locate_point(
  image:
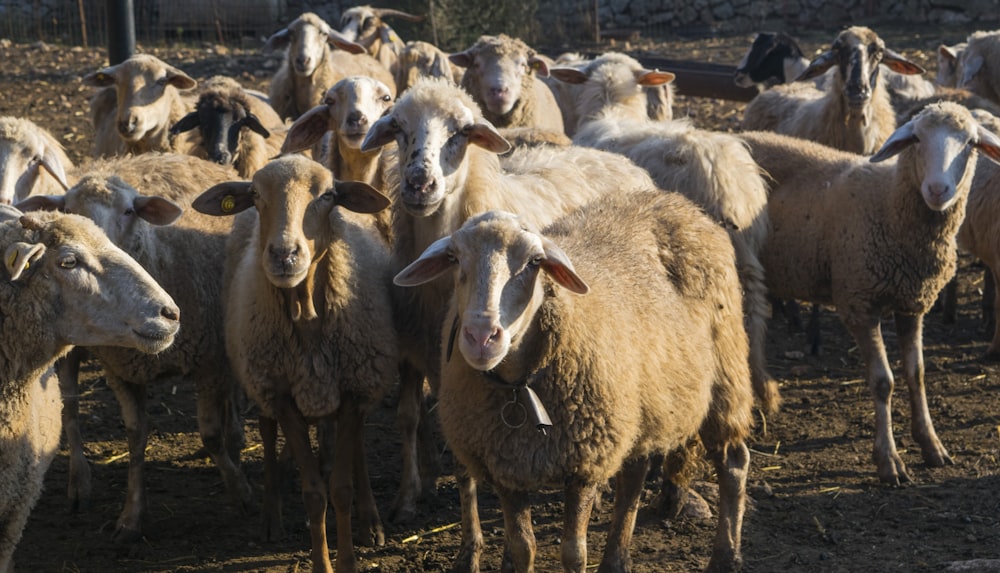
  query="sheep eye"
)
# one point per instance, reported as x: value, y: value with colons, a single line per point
x: 394, y: 125
x: 130, y: 211
x: 536, y: 261
x: 162, y: 81
x: 386, y: 98
x: 68, y: 262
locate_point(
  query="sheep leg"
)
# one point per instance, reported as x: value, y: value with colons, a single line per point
x: 212, y: 404
x: 132, y: 400
x: 314, y: 489
x: 370, y: 531
x: 472, y: 532
x: 408, y: 415
x: 79, y: 487
x: 732, y: 464
x: 867, y: 333
x: 757, y: 312
x: 628, y: 490
x: 272, y: 525
x: 519, y: 537
x: 579, y: 504
x: 909, y: 328
x: 989, y: 314
x: 350, y: 422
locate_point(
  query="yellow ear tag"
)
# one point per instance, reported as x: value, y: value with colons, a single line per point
x: 228, y: 203
x: 101, y: 77
x: 13, y: 259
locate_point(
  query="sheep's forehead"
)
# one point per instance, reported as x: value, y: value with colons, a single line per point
x: 355, y: 89
x: 500, y: 48
x: 858, y: 37
x: 945, y: 116
x: 19, y: 134
x: 495, y: 232
x: 94, y: 194
x: 451, y: 108
x: 292, y: 179
x: 307, y: 20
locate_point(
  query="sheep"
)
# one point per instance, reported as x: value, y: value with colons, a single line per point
x: 651, y: 262
x: 500, y: 73
x: 979, y: 72
x: 64, y: 284
x: 853, y: 113
x: 236, y: 127
x: 423, y: 60
x: 311, y: 66
x: 309, y: 331
x: 872, y: 238
x: 448, y: 171
x: 139, y: 100
x: 364, y: 25
x: 140, y: 223
x: 949, y: 71
x: 714, y: 170
x: 31, y: 161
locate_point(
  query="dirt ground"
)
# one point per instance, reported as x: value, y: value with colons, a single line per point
x: 817, y: 504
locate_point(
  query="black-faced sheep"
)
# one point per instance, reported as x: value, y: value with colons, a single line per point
x: 533, y: 354
x: 140, y: 99
x: 501, y: 74
x: 64, y: 284
x: 309, y: 332
x: 32, y: 162
x: 311, y: 64
x: 875, y: 238
x: 143, y: 224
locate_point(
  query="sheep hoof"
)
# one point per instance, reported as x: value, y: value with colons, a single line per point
x: 372, y: 536
x: 893, y: 471
x: 124, y: 535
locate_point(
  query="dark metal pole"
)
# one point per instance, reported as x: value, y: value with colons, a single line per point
x: 121, y: 30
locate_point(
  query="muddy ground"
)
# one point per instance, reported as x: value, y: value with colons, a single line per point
x: 817, y: 504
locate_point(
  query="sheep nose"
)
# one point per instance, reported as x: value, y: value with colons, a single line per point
x: 482, y: 336
x: 497, y: 92
x: 287, y: 256
x: 419, y: 180
x: 127, y: 126
x: 171, y: 313
x: 303, y: 61
x: 356, y: 118
x: 222, y: 157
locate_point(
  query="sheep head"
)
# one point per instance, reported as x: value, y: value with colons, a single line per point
x: 308, y: 38
x: 364, y: 25
x: 497, y: 70
x: 348, y: 109
x: 497, y: 287
x: 767, y: 61
x: 221, y: 116
x: 949, y: 67
x: 26, y: 155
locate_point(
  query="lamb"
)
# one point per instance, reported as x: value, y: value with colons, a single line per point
x: 140, y: 223
x: 311, y: 65
x: 714, y: 170
x: 500, y: 73
x: 853, y: 113
x: 309, y: 331
x: 448, y: 171
x: 364, y: 25
x: 64, y: 284
x: 979, y: 71
x: 236, y: 127
x: 875, y: 238
x: 140, y: 99
x: 31, y: 161
x: 651, y: 262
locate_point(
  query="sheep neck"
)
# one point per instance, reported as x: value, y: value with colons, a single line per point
x: 350, y: 164
x: 23, y: 363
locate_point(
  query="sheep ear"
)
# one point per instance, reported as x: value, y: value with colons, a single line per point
x: 43, y: 203
x: 970, y: 68
x: 648, y: 78
x: 897, y: 142
x: 988, y: 144
x: 486, y: 136
x: 540, y: 66
x: 9, y: 213
x: 179, y: 79
x: 461, y: 59
x: 380, y: 133
x: 225, y: 199
x: 101, y: 78
x: 819, y: 66
x: 51, y: 162
x: 338, y: 40
x: 156, y: 210
x: 899, y: 64
x: 359, y: 197
x: 558, y: 266
x: 256, y: 126
x: 308, y: 129
x: 19, y: 256
x: 186, y: 123
x: 947, y: 53
x: 568, y: 75
x: 277, y: 41
x: 432, y: 263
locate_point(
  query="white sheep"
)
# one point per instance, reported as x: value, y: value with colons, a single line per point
x: 236, y: 127
x: 311, y: 64
x: 143, y: 224
x: 949, y: 70
x: 875, y: 238
x: 424, y: 60
x: 140, y: 99
x: 535, y: 355
x: 64, y: 283
x: 853, y: 112
x: 448, y: 171
x: 502, y: 73
x: 364, y: 25
x: 980, y: 72
x: 309, y: 331
x: 712, y: 169
x: 32, y: 162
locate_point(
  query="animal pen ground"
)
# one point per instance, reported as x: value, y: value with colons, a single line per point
x: 817, y: 504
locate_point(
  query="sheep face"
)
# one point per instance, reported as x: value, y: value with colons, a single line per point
x: 364, y: 25
x: 26, y: 156
x: 497, y: 286
x: 354, y: 105
x: 100, y: 295
x: 221, y: 121
x: 503, y: 66
x: 145, y: 86
x: 308, y: 38
x: 768, y: 60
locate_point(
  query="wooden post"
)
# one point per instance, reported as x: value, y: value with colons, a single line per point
x: 121, y: 30
x: 83, y: 22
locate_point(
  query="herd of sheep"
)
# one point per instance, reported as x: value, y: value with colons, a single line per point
x: 581, y: 283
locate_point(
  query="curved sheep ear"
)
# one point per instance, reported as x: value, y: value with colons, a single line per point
x: 462, y: 59
x: 179, y: 79
x: 568, y: 75
x: 101, y: 78
x: 899, y: 64
x: 898, y: 141
x: 381, y: 133
x: 432, y: 263
x: 256, y: 126
x: 9, y: 213
x: 540, y: 66
x: 19, y: 256
x: 43, y: 203
x: 156, y: 210
x: 338, y: 40
x: 648, y: 78
x: 225, y: 199
x: 988, y: 144
x: 186, y: 123
x: 558, y: 266
x: 308, y: 130
x: 970, y: 68
x: 359, y: 197
x: 50, y: 162
x: 486, y: 136
x: 819, y: 66
x: 277, y: 41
